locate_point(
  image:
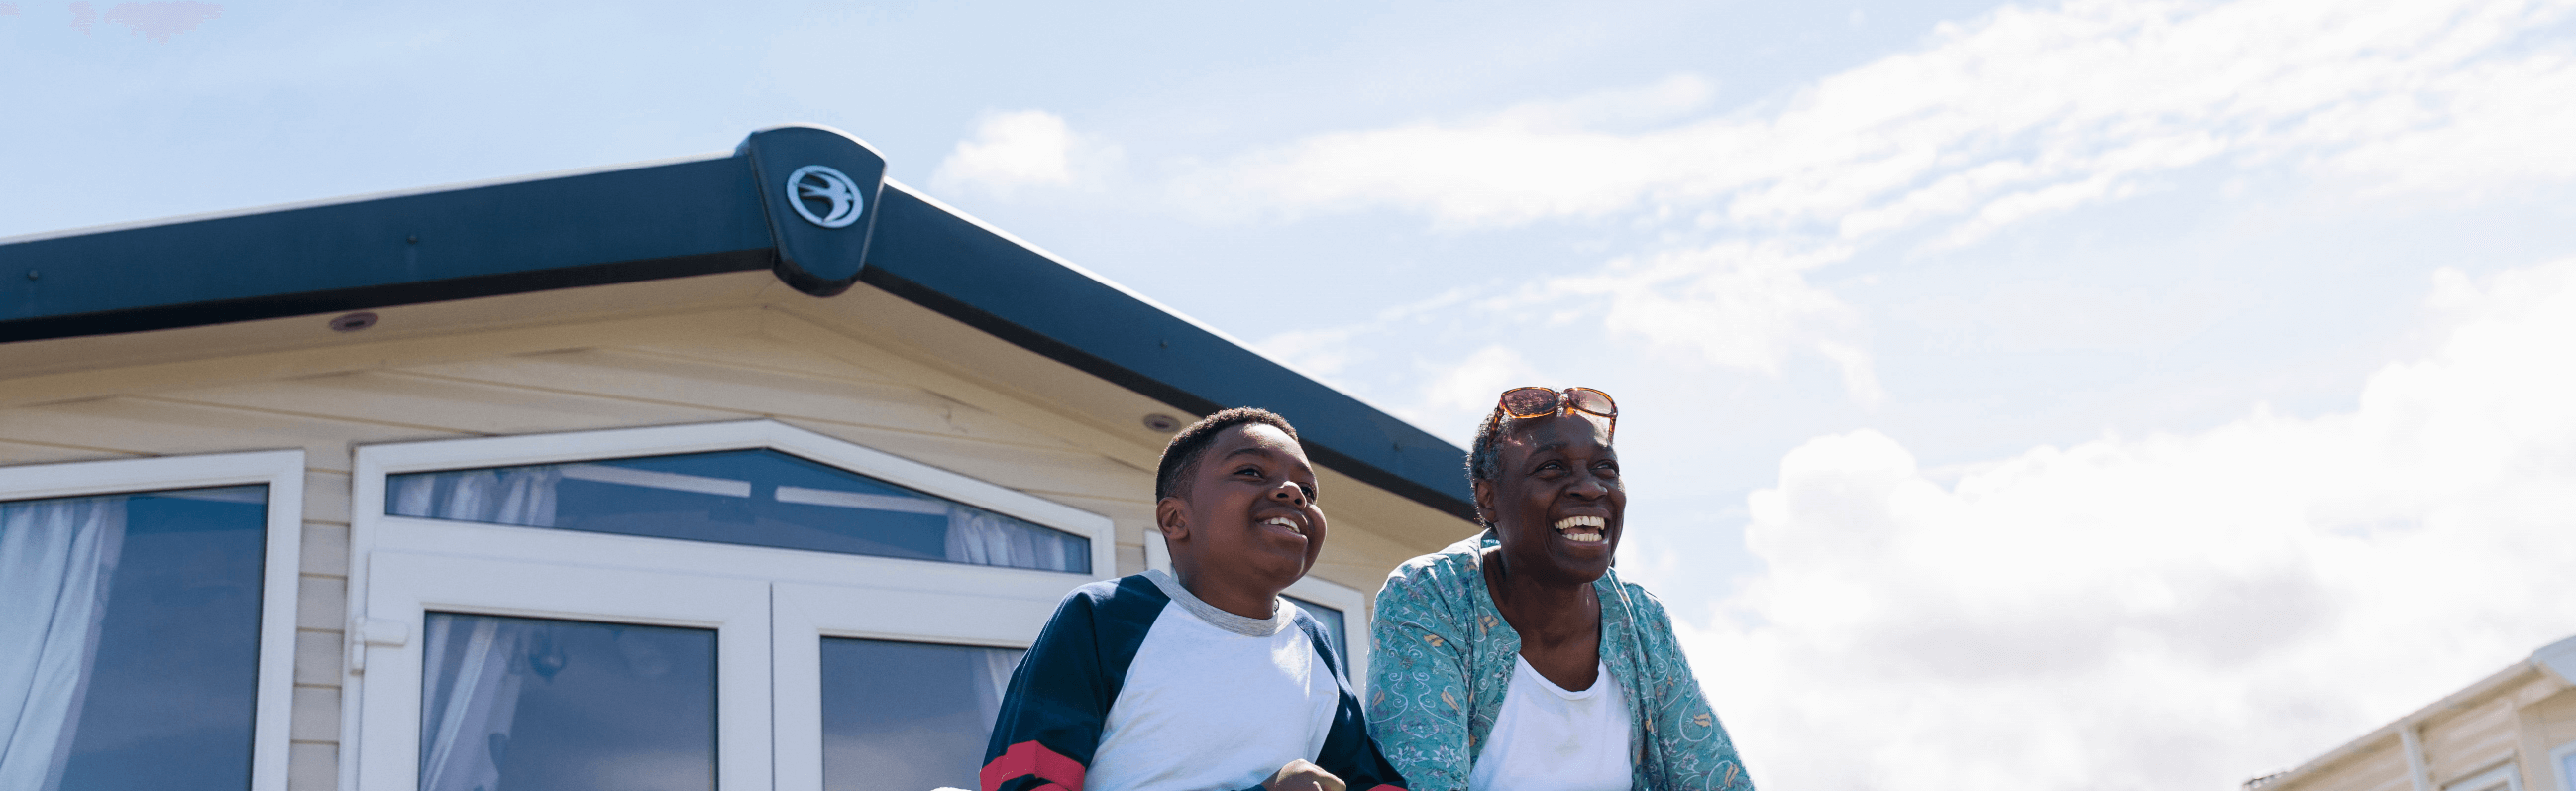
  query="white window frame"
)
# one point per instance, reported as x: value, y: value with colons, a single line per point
x: 811, y: 594
x: 408, y: 586
x: 904, y: 604
x: 2501, y: 778
x: 1352, y: 603
x: 2558, y: 766
x: 283, y: 472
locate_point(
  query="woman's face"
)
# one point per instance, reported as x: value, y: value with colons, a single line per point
x: 1556, y: 500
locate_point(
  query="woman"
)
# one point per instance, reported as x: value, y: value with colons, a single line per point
x: 1517, y: 659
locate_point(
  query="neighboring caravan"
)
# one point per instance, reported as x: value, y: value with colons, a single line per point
x: 2513, y: 731
x: 748, y: 471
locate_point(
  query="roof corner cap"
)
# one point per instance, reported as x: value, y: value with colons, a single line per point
x: 819, y: 190
x: 2558, y: 658
x: 744, y: 147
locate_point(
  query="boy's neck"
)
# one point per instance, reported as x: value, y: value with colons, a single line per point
x: 1247, y: 603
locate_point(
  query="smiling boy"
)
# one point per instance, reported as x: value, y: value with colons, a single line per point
x: 1202, y: 679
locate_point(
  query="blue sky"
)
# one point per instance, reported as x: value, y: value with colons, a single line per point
x: 2130, y: 373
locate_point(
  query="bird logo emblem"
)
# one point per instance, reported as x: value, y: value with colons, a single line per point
x: 815, y: 187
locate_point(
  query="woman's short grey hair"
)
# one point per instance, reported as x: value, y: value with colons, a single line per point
x: 1482, y: 462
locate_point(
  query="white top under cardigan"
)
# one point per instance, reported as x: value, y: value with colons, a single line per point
x: 1549, y: 739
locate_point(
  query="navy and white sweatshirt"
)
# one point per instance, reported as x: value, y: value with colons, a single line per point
x: 1136, y: 685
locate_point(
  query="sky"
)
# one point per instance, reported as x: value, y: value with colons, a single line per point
x: 2015, y: 395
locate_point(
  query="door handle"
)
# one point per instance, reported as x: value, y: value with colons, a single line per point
x: 374, y: 632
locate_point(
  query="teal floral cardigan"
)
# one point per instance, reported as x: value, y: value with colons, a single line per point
x: 1441, y: 658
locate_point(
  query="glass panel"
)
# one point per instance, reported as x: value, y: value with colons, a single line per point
x: 755, y: 497
x: 1332, y: 620
x: 530, y: 704
x: 908, y: 716
x: 129, y: 644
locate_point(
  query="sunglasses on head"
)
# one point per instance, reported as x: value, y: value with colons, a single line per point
x: 1528, y: 402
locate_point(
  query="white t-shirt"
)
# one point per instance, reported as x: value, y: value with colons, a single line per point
x: 1548, y: 739
x: 1214, y: 700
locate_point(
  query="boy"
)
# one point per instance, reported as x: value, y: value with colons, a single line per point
x: 1202, y: 679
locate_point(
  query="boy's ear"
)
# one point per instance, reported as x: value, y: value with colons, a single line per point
x: 1173, y: 517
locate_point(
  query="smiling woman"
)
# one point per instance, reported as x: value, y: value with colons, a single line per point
x: 1490, y: 656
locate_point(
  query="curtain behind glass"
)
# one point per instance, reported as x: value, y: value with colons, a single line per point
x: 754, y: 498
x: 523, y: 496
x: 997, y: 664
x: 469, y: 698
x: 534, y: 704
x: 470, y: 680
x: 56, y: 559
x: 986, y: 538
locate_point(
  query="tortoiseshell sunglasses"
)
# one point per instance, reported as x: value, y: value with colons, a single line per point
x: 1528, y: 402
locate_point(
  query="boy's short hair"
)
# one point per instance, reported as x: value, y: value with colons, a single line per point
x: 1181, y: 457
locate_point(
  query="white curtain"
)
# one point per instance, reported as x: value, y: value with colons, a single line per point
x: 523, y: 496
x: 475, y: 666
x: 469, y: 699
x: 996, y: 664
x: 986, y: 538
x: 56, y: 559
x: 979, y: 536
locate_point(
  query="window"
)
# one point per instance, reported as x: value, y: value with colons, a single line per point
x: 725, y: 606
x: 568, y: 705
x: 474, y: 664
x: 2501, y: 778
x: 147, y: 637
x: 909, y: 716
x: 757, y: 497
x: 2563, y: 759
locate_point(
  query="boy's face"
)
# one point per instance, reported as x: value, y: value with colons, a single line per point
x: 1249, y: 520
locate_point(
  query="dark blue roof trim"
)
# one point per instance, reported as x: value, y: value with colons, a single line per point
x: 590, y: 229
x: 675, y: 220
x: 954, y: 266
x: 163, y: 317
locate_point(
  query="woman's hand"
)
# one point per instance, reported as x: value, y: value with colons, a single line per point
x: 1302, y: 776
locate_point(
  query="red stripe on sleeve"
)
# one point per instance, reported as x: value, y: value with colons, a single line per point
x: 1031, y: 758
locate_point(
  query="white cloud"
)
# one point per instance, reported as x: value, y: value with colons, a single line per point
x: 1733, y: 304
x: 2024, y: 113
x: 1328, y: 351
x: 2182, y: 611
x: 2498, y: 124
x: 1015, y: 150
x: 2067, y: 315
x: 1460, y: 394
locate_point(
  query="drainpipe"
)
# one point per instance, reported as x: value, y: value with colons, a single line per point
x: 2408, y: 734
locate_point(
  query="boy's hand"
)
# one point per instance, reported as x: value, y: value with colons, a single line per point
x: 1303, y: 776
